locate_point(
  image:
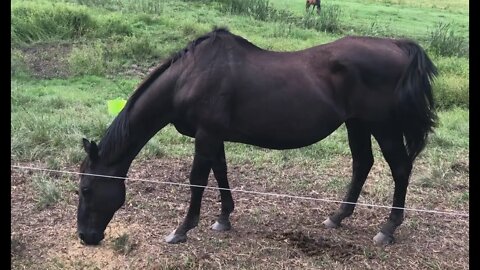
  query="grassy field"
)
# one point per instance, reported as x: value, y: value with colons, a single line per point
x: 70, y: 57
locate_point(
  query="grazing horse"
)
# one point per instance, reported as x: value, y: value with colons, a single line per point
x: 223, y: 88
x: 314, y: 3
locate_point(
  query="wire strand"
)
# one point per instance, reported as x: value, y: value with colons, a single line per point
x: 455, y: 213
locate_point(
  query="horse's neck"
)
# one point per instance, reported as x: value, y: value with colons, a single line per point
x: 148, y: 114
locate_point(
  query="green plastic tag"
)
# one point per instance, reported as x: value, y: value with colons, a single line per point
x: 115, y: 106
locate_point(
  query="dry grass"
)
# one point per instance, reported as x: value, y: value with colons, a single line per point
x: 268, y: 233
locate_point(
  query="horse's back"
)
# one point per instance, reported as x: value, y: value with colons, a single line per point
x: 291, y: 99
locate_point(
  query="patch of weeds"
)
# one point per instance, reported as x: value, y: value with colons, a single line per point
x: 123, y: 244
x: 17, y: 246
x: 413, y: 223
x: 114, y: 24
x: 18, y: 64
x: 444, y: 41
x: 327, y: 21
x: 462, y: 198
x: 301, y: 184
x: 369, y: 253
x: 137, y: 48
x: 335, y: 184
x: 48, y: 192
x: 258, y: 9
x: 87, y: 60
x: 33, y: 22
x: 378, y: 29
x: 152, y: 150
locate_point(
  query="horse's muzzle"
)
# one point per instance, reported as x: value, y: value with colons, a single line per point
x: 93, y: 238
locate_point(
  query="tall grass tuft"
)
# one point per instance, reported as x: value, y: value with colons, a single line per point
x: 36, y: 22
x: 87, y: 60
x: 444, y: 41
x: 141, y: 6
x: 328, y: 21
x: 48, y: 193
x: 258, y: 9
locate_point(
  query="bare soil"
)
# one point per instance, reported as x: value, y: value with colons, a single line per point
x: 268, y: 232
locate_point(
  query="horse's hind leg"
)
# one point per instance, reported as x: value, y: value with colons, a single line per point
x: 359, y: 139
x: 206, y: 148
x: 391, y: 143
x: 219, y: 168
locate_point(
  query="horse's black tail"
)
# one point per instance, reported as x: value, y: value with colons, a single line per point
x: 416, y: 107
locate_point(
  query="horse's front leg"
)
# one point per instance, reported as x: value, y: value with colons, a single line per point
x: 205, y: 151
x: 219, y: 168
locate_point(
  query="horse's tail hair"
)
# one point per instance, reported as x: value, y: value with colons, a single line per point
x: 416, y: 107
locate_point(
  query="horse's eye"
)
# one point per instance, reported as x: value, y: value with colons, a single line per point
x: 85, y: 191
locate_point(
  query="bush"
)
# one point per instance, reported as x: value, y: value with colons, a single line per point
x: 443, y: 41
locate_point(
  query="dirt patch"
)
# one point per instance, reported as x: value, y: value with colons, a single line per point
x: 48, y: 61
x: 318, y: 246
x: 268, y: 232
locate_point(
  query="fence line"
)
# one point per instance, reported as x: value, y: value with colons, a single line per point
x: 454, y: 213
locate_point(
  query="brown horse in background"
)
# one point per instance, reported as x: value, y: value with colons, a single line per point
x: 314, y: 3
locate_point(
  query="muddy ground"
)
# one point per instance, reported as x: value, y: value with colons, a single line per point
x: 268, y: 232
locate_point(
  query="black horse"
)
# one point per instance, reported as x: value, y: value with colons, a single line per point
x: 223, y: 88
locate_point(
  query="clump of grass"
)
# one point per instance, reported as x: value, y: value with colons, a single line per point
x: 451, y: 91
x: 137, y: 47
x: 327, y: 21
x: 87, y: 60
x: 48, y: 192
x: 122, y: 244
x: 140, y: 6
x: 113, y: 24
x: 17, y: 246
x: 18, y: 64
x: 378, y: 29
x: 444, y: 41
x: 38, y: 22
x: 258, y: 9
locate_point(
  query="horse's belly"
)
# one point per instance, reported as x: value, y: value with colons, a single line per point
x: 276, y: 135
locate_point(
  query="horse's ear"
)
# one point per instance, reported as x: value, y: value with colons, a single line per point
x: 91, y: 149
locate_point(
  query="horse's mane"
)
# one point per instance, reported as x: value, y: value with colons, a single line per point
x: 118, y: 132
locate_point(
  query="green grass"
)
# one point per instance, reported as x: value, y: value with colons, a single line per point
x: 49, y: 117
x: 48, y: 191
x: 122, y: 244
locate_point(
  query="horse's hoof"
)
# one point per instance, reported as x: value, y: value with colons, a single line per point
x: 220, y: 227
x: 173, y: 238
x: 382, y: 239
x: 330, y: 224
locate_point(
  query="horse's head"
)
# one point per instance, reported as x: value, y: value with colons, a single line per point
x: 99, y: 197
